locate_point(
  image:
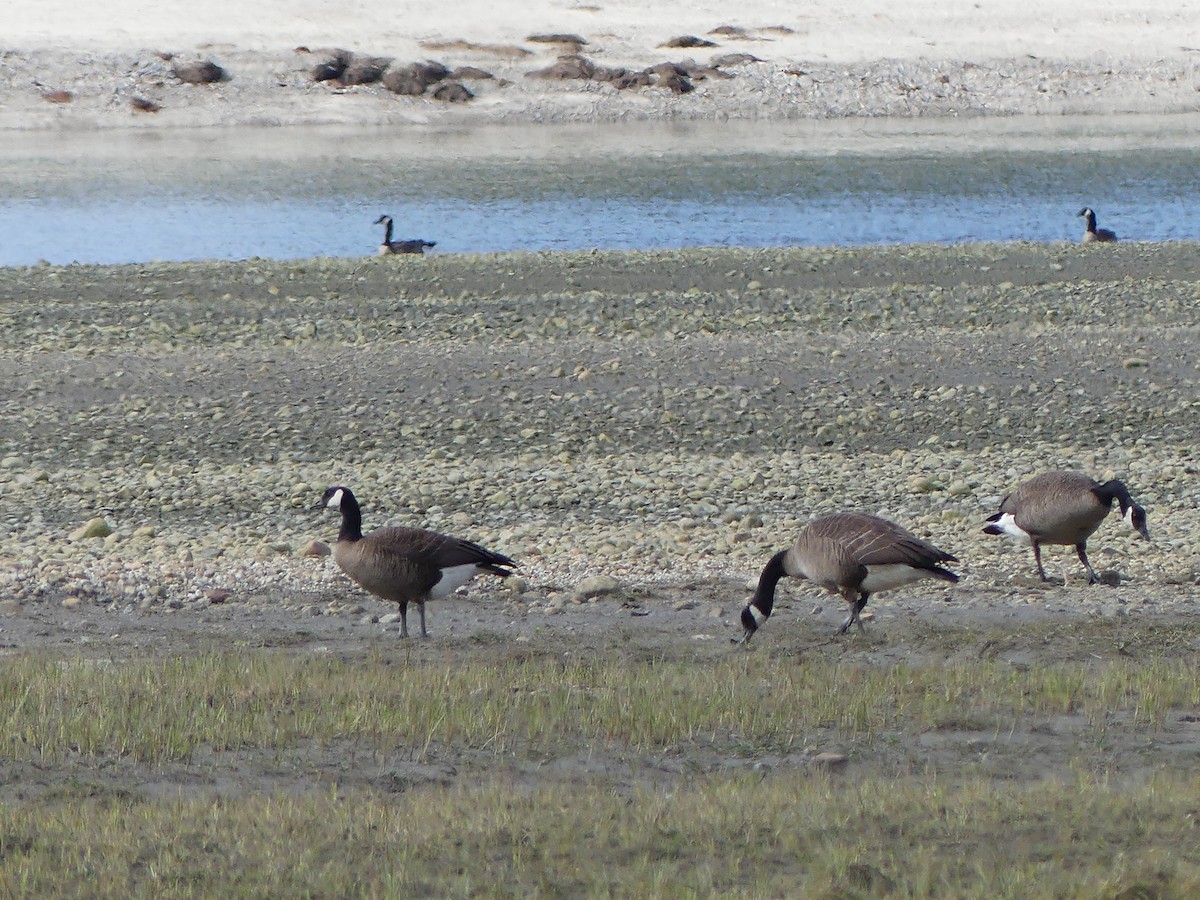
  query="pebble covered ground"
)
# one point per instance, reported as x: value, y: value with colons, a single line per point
x: 643, y: 427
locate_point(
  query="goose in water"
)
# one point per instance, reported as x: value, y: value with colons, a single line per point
x: 390, y: 246
x: 1093, y: 234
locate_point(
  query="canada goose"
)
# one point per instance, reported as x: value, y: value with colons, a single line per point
x: 1063, y: 508
x: 406, y: 565
x: 852, y: 554
x: 390, y: 246
x: 1092, y: 233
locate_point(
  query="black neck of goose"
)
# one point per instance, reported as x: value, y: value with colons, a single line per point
x: 1091, y: 222
x: 387, y: 231
x: 764, y: 595
x: 1114, y: 489
x: 351, y: 529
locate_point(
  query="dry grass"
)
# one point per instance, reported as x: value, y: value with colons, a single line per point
x: 671, y: 803
x: 791, y: 834
x: 161, y: 710
x: 154, y: 711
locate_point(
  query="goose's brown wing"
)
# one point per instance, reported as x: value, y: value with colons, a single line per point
x: 873, y: 541
x: 1056, y: 505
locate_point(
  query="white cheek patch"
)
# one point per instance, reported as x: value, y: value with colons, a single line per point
x: 892, y: 575
x: 1009, y: 526
x: 758, y: 615
x: 452, y: 579
x: 1129, y: 518
x: 335, y: 501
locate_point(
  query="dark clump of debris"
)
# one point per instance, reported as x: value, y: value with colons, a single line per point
x: 201, y: 72
x: 677, y: 77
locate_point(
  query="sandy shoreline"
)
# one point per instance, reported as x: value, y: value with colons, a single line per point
x: 94, y: 69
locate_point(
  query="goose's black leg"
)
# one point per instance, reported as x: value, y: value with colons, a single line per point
x: 1037, y: 558
x: 1081, y: 549
x: 856, y: 607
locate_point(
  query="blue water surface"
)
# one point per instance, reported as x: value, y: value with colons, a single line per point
x: 119, y: 197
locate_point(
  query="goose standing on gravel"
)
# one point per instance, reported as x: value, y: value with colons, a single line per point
x: 390, y: 246
x: 852, y: 554
x: 1063, y: 508
x: 1092, y: 234
x: 406, y: 565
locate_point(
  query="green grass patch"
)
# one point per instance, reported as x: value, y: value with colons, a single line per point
x: 270, y: 774
x: 157, y: 711
x: 785, y: 835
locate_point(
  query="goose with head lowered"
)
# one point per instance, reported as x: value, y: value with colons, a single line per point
x: 389, y: 246
x: 1063, y: 508
x: 851, y: 554
x: 406, y: 565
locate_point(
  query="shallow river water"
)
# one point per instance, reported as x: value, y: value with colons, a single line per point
x: 111, y: 197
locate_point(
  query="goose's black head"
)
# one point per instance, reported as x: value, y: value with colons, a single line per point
x: 749, y: 625
x: 1136, y: 517
x: 333, y: 497
x: 383, y: 220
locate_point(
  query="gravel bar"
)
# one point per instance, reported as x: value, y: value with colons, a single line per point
x: 658, y: 417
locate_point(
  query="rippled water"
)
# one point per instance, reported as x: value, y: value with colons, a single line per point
x: 130, y: 197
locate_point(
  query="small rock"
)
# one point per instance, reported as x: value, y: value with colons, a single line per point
x: 389, y: 618
x: 684, y: 605
x: 204, y: 72
x: 471, y: 73
x: 675, y: 83
x: 922, y: 484
x: 329, y: 70
x: 557, y: 38
x: 830, y: 760
x: 217, y: 595
x: 567, y: 68
x: 315, y: 550
x: 735, y: 59
x: 95, y: 528
x: 452, y: 92
x: 959, y: 488
x: 597, y: 586
x: 716, y: 611
x: 363, y: 70
x: 687, y: 41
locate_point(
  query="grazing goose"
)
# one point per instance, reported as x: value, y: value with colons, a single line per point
x: 852, y: 554
x: 406, y: 565
x: 1063, y: 508
x: 390, y: 246
x: 1094, y: 234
